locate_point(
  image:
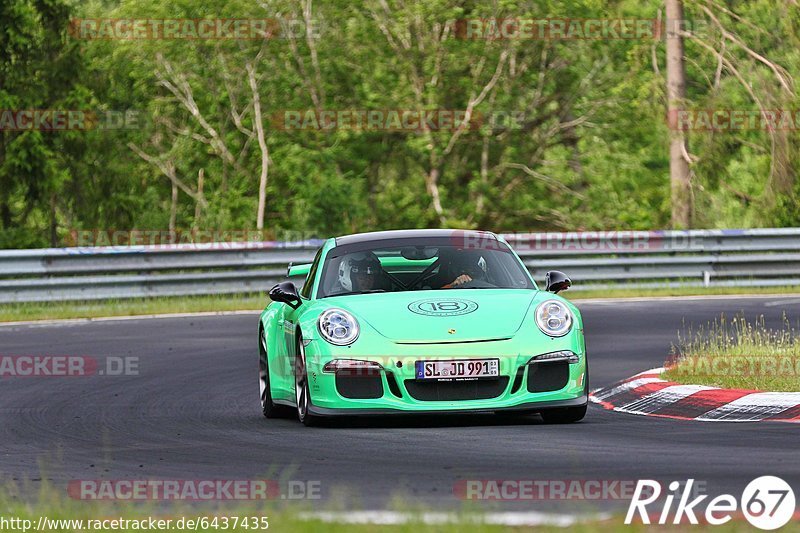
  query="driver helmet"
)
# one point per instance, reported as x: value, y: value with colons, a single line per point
x: 472, y: 263
x: 360, y: 271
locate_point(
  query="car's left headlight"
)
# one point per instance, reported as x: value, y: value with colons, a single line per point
x: 338, y: 327
x: 553, y: 318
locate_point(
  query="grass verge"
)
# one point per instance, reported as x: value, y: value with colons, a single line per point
x: 738, y: 354
x: 51, y: 512
x: 195, y: 304
x: 680, y: 291
x: 130, y: 307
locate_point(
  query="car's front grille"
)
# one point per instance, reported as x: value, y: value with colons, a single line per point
x: 444, y: 391
x: 548, y: 377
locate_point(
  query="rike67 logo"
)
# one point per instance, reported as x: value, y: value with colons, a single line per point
x: 767, y: 503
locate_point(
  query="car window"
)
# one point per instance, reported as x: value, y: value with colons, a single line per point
x: 413, y: 264
x: 305, y: 292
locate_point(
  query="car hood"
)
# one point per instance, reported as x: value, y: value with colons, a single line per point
x: 459, y: 315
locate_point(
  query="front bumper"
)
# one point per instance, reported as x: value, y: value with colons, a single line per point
x: 527, y: 407
x: 393, y: 389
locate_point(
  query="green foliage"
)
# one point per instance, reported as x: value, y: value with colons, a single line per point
x: 572, y: 133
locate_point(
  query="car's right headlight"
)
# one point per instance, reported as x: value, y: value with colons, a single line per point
x: 553, y: 318
x: 338, y: 327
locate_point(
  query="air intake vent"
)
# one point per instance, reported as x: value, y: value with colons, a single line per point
x: 359, y: 387
x: 548, y: 377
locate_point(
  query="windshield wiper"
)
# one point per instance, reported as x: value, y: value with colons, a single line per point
x: 370, y: 291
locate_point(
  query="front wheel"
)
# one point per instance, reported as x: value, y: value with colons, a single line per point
x: 269, y: 408
x: 564, y: 415
x: 301, y: 389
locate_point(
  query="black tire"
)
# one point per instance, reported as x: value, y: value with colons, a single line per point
x: 564, y: 415
x: 301, y: 389
x: 269, y: 408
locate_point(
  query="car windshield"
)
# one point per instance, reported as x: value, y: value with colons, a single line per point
x: 420, y: 264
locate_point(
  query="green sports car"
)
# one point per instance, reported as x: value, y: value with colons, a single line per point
x: 420, y: 321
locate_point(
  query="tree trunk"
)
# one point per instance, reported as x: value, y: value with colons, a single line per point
x: 173, y: 211
x: 262, y: 144
x: 679, y: 173
x: 198, y: 206
x: 432, y: 184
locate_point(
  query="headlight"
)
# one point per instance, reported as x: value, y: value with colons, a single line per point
x: 553, y: 318
x: 338, y: 327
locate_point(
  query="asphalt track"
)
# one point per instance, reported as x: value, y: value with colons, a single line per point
x: 193, y: 413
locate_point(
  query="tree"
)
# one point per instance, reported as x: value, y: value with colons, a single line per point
x: 679, y: 172
x: 40, y: 69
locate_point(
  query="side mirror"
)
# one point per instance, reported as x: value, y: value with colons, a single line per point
x: 555, y: 281
x: 285, y: 292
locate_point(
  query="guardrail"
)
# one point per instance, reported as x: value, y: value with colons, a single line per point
x: 643, y: 259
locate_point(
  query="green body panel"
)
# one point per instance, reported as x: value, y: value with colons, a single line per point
x: 501, y: 325
x: 299, y: 270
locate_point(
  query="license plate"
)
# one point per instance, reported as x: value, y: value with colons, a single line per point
x: 458, y: 369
